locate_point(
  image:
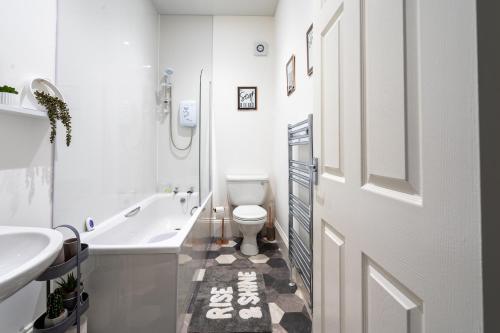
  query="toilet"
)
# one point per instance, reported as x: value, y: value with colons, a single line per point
x: 247, y: 193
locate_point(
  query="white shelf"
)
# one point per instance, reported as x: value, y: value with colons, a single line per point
x: 20, y: 111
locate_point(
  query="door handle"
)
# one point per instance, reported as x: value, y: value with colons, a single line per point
x: 314, y: 169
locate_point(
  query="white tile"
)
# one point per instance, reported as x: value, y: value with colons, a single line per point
x: 184, y: 258
x: 276, y: 313
x: 299, y: 294
x: 229, y: 244
x: 225, y: 259
x: 259, y: 259
x: 199, y: 274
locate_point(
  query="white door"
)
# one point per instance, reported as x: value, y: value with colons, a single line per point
x: 397, y: 215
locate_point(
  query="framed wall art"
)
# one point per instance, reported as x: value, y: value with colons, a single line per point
x: 309, y: 42
x: 290, y: 76
x: 247, y: 98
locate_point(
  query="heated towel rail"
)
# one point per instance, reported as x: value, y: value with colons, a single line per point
x: 302, y: 176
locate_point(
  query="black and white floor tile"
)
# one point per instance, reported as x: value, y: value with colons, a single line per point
x: 287, y: 307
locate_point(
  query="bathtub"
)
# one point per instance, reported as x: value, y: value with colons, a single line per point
x: 141, y: 271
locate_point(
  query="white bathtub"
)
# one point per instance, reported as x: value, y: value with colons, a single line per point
x: 141, y: 269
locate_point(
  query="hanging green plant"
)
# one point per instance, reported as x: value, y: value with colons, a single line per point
x: 56, y: 110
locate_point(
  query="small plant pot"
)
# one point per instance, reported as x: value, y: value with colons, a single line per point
x: 70, y: 248
x: 48, y: 322
x: 8, y: 98
x: 69, y: 301
x: 60, y: 258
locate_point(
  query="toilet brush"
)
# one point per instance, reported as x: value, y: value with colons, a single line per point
x: 270, y: 231
x: 219, y: 211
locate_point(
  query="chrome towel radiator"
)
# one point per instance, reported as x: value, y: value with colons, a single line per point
x: 302, y: 176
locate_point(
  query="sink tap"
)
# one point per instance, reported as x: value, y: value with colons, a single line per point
x: 176, y: 190
x: 191, y: 190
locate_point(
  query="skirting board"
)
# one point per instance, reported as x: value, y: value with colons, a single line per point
x: 282, y: 234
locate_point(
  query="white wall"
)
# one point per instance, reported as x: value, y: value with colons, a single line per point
x: 242, y: 139
x: 107, y: 70
x: 185, y: 46
x: 292, y: 20
x: 27, y: 50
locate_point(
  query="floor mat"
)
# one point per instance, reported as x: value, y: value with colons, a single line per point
x: 287, y: 308
x: 231, y: 300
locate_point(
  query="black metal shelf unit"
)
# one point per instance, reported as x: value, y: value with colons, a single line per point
x: 56, y: 271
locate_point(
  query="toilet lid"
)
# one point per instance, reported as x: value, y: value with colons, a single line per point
x: 249, y: 213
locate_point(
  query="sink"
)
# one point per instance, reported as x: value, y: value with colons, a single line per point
x: 25, y: 253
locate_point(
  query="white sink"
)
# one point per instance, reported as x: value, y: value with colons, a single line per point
x: 25, y: 253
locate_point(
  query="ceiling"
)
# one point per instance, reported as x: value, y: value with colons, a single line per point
x: 217, y: 7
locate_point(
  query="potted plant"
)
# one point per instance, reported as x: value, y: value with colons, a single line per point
x: 57, y: 109
x: 56, y: 313
x: 7, y: 94
x: 67, y: 289
x: 70, y: 246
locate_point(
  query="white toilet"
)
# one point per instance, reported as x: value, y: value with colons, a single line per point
x: 248, y: 193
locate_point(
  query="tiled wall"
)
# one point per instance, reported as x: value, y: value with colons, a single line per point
x: 27, y: 51
x: 106, y: 68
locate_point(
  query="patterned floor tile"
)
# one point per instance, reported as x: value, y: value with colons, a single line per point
x: 271, y: 294
x: 276, y: 313
x: 277, y: 262
x: 263, y: 268
x: 214, y: 247
x: 225, y: 259
x: 227, y: 250
x: 259, y: 259
x: 212, y: 254
x: 210, y: 263
x: 242, y: 263
x: 290, y: 303
x: 199, y: 274
x: 184, y: 259
x: 277, y: 328
x: 185, y: 324
x: 229, y: 244
x: 296, y: 322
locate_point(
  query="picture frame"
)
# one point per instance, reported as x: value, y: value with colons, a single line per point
x: 309, y: 43
x: 247, y: 98
x: 290, y: 76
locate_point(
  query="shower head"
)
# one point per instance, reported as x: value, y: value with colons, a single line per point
x: 169, y: 71
x: 167, y: 76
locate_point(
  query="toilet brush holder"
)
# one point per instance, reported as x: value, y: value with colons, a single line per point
x: 270, y: 233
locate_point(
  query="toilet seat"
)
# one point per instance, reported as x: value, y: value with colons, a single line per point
x: 250, y: 214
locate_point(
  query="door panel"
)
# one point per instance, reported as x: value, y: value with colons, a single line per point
x: 332, y: 285
x: 388, y: 306
x: 385, y: 88
x: 391, y: 155
x: 331, y: 105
